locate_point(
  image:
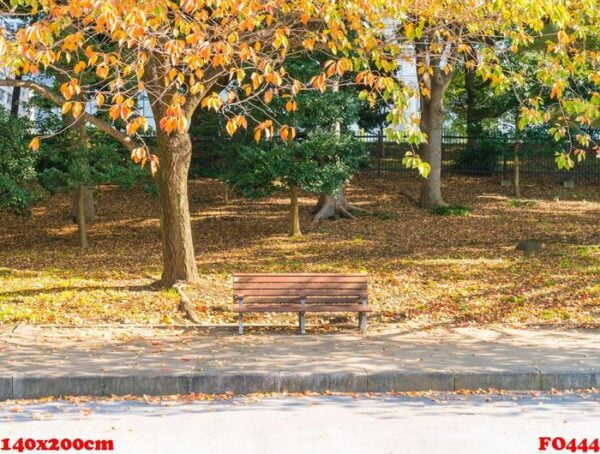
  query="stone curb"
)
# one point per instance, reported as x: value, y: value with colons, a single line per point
x: 20, y: 387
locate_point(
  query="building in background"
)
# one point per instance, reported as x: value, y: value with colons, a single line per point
x: 6, y: 98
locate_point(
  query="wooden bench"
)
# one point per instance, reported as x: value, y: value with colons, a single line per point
x: 302, y: 292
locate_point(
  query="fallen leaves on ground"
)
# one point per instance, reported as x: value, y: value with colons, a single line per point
x: 421, y: 267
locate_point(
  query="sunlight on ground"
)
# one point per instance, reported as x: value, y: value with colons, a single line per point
x: 421, y: 266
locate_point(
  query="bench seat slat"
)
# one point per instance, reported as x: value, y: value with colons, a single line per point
x: 296, y: 300
x: 301, y: 308
x: 300, y: 285
x: 301, y: 292
x: 313, y: 278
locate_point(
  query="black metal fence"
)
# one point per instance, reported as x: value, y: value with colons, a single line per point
x: 483, y: 156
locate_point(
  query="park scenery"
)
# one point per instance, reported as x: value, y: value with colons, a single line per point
x: 299, y: 200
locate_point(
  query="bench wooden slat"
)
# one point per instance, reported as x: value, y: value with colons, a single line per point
x: 301, y: 292
x: 300, y: 285
x: 296, y: 300
x: 301, y: 308
x: 313, y: 278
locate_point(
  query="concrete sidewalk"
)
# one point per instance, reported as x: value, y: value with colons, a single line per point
x: 38, y: 362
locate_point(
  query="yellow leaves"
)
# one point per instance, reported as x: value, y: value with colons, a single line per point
x: 138, y: 155
x: 234, y: 123
x: 79, y: 67
x: 213, y: 102
x: 70, y: 89
x: 556, y: 91
x: 77, y: 109
x: 197, y: 88
x: 137, y: 123
x: 100, y: 99
x: 266, y: 128
x: 35, y: 144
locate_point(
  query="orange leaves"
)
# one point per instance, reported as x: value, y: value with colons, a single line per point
x: 287, y: 133
x: 172, y: 123
x: 266, y: 128
x: 79, y: 67
x: 102, y: 71
x: 140, y: 156
x: 70, y: 89
x: 35, y: 144
x: 339, y: 67
x: 234, y: 123
x: 121, y: 108
x: 319, y: 82
x: 291, y: 106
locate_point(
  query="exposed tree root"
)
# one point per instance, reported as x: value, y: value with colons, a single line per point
x: 334, y: 207
x: 185, y: 304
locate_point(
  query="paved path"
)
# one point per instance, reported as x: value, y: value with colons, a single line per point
x: 437, y: 424
x: 438, y: 358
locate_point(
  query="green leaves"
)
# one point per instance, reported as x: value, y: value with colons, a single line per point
x: 412, y: 160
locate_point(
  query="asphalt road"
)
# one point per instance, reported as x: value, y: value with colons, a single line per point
x: 440, y: 423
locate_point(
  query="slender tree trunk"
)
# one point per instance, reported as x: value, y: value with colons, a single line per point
x: 472, y: 127
x: 81, y: 221
x: 89, y: 205
x: 432, y: 124
x: 294, y: 213
x: 179, y: 261
x: 83, y: 208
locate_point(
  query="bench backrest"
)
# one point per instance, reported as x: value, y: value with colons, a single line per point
x: 294, y: 288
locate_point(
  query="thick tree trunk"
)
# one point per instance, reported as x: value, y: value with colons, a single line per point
x: 432, y: 124
x: 179, y: 261
x: 334, y: 206
x: 294, y: 213
x: 89, y: 205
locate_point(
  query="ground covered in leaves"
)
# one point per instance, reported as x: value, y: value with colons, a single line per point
x: 422, y: 267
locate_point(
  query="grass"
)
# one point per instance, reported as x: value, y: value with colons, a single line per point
x: 422, y: 267
x: 522, y: 203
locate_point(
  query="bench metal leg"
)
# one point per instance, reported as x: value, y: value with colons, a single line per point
x: 241, y: 323
x: 362, y: 322
x: 301, y: 321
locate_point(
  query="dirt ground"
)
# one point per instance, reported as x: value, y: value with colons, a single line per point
x: 422, y: 267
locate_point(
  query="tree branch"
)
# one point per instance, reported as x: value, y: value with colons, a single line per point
x: 59, y: 100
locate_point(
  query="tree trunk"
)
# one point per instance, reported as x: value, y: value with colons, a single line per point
x: 16, y: 97
x: 432, y: 124
x: 472, y: 126
x: 81, y: 221
x: 294, y: 213
x: 179, y: 261
x: 89, y: 205
x: 334, y: 206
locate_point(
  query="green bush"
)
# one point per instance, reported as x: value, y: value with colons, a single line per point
x: 17, y: 166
